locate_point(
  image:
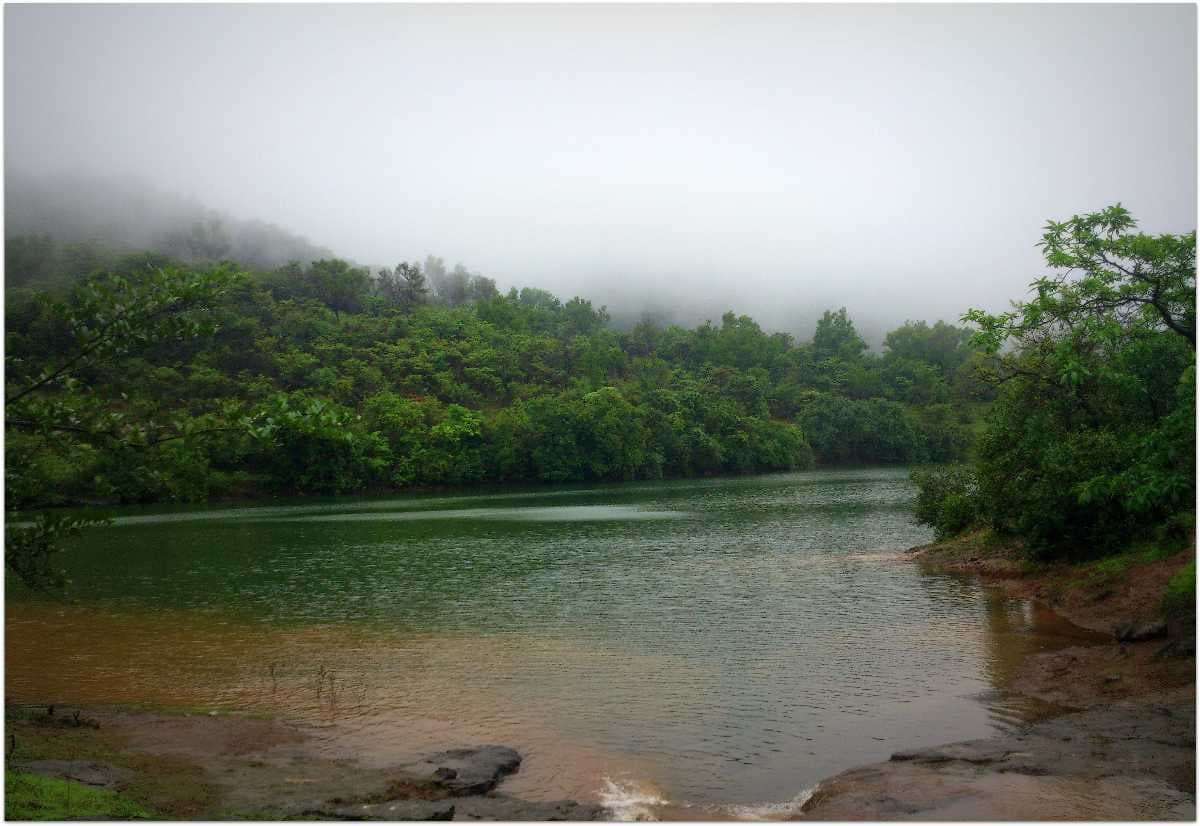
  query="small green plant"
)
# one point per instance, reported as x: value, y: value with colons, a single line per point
x: 1115, y: 566
x: 33, y: 797
x: 1179, y: 598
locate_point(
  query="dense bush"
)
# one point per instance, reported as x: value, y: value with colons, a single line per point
x: 1090, y: 443
x: 328, y: 378
x: 947, y: 499
x: 314, y: 446
x: 861, y: 431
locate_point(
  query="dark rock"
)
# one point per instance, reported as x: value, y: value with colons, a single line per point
x: 976, y: 752
x: 461, y: 772
x: 1182, y: 647
x: 482, y: 807
x: 423, y: 791
x: 1131, y: 631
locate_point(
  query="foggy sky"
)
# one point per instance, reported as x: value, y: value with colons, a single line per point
x: 775, y: 160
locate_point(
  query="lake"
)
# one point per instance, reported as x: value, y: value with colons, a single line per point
x: 712, y: 647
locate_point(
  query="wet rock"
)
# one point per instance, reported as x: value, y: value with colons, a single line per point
x: 1132, y: 760
x: 450, y: 785
x: 462, y: 772
x: 481, y: 807
x: 977, y: 752
x: 1131, y: 631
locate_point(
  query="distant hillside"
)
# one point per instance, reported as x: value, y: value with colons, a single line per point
x: 130, y: 214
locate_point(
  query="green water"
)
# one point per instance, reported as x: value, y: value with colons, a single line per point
x: 716, y: 643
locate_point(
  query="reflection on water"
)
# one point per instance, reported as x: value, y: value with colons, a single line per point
x: 565, y: 513
x: 728, y: 659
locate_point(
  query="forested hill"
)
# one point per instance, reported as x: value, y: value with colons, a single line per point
x: 212, y: 380
x: 129, y: 215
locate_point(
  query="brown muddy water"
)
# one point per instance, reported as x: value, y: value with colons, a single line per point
x: 695, y: 649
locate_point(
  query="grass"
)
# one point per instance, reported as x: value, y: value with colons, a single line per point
x: 1075, y: 576
x: 33, y: 797
x: 172, y: 786
x: 1179, y: 598
x: 1136, y: 555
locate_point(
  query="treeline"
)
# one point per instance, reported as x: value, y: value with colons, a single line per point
x: 1091, y: 442
x: 328, y: 377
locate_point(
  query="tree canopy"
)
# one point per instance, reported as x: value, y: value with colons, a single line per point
x: 156, y: 381
x: 1091, y: 440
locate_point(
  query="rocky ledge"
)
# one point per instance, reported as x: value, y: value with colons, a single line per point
x: 453, y: 785
x: 1132, y: 761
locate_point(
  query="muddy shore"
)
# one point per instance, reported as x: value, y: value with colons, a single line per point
x: 234, y: 766
x: 1123, y: 750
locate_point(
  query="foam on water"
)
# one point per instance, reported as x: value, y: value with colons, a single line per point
x: 772, y: 811
x: 630, y: 800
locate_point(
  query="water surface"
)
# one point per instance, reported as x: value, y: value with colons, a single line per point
x: 719, y: 644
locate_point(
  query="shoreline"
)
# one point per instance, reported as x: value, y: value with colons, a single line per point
x: 188, y: 765
x: 1123, y: 748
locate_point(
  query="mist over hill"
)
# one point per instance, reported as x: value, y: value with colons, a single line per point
x: 129, y: 213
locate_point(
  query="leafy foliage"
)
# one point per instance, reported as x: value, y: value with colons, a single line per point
x: 29, y: 550
x: 1121, y: 280
x: 106, y: 319
x: 947, y: 499
x: 153, y: 381
x: 1091, y: 441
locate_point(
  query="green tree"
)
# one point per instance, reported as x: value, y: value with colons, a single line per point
x: 413, y: 290
x: 943, y: 345
x: 836, y: 337
x: 51, y: 402
x: 314, y: 446
x: 1091, y: 441
x: 339, y: 286
x: 30, y: 259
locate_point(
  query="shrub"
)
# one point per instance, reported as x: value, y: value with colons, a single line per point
x: 947, y: 499
x: 1179, y: 598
